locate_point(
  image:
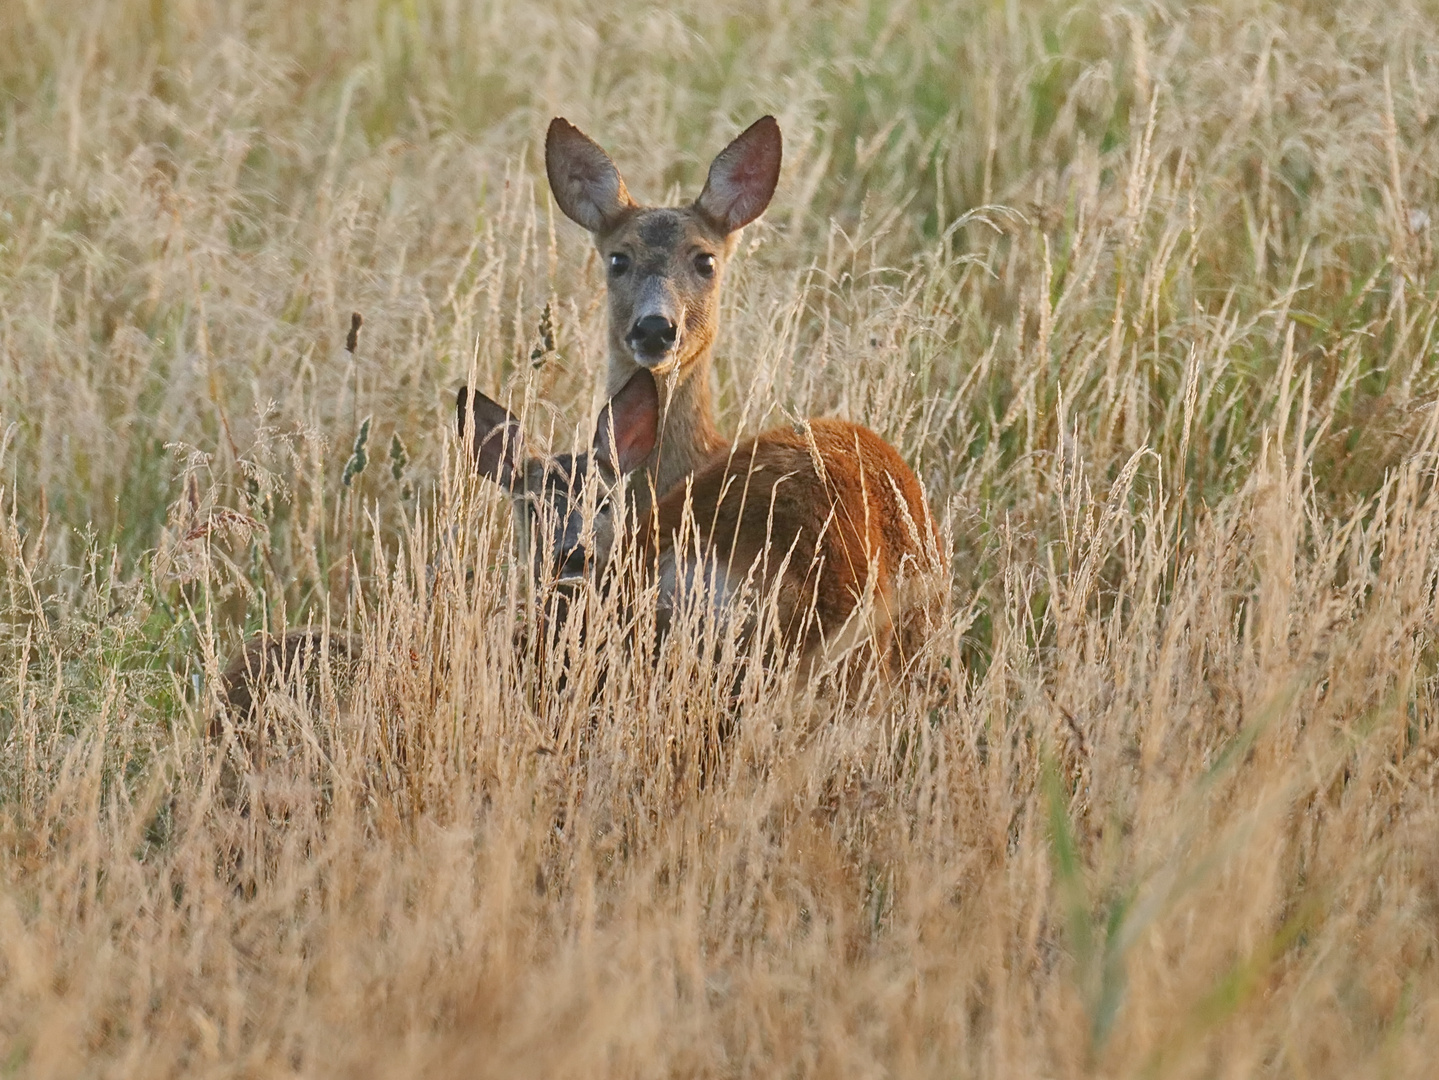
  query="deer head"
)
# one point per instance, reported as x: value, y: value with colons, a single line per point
x: 664, y: 268
x: 564, y: 503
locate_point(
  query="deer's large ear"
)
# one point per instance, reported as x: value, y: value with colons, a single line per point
x: 494, y: 438
x: 629, y: 424
x: 742, y: 178
x: 584, y: 180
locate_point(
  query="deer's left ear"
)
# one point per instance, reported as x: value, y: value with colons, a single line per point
x: 743, y: 177
x: 495, y: 438
x: 629, y: 424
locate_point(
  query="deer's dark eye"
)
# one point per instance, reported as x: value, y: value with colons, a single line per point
x: 574, y: 564
x: 619, y: 263
x: 705, y: 264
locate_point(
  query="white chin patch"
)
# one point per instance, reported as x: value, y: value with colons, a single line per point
x: 658, y: 365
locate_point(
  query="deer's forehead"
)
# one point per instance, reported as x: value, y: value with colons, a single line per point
x: 564, y: 476
x: 668, y: 229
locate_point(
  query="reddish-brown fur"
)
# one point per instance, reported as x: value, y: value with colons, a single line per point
x: 825, y: 516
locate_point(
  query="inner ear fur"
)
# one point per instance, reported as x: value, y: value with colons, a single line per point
x: 585, y: 182
x: 628, y: 426
x: 743, y: 176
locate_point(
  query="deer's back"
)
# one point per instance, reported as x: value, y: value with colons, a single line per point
x: 825, y: 507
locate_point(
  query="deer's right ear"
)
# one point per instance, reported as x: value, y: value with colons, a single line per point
x: 584, y: 180
x: 629, y: 425
x: 495, y: 438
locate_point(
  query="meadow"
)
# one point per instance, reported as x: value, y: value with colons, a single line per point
x: 1146, y: 293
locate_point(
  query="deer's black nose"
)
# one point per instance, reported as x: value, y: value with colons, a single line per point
x: 653, y: 334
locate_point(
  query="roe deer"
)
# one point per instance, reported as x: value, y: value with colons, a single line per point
x: 664, y: 267
x: 826, y: 518
x: 265, y: 662
x: 302, y: 667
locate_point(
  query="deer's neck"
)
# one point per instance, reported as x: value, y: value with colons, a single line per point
x: 688, y: 436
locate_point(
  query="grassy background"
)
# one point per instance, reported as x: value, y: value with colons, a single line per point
x: 1146, y: 292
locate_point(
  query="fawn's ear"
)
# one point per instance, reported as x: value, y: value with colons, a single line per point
x: 629, y: 424
x: 584, y: 180
x: 742, y: 178
x: 495, y: 438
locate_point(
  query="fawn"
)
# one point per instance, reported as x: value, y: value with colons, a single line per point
x: 826, y: 518
x: 664, y: 267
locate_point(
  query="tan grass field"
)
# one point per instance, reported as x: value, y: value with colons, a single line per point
x: 1145, y: 291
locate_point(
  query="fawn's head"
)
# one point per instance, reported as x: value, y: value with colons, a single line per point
x: 664, y: 265
x: 565, y: 504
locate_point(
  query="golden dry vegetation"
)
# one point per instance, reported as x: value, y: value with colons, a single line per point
x: 1145, y: 290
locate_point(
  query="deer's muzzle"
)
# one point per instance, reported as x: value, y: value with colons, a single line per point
x: 652, y: 338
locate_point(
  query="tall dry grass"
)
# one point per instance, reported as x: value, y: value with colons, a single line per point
x: 1145, y: 291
